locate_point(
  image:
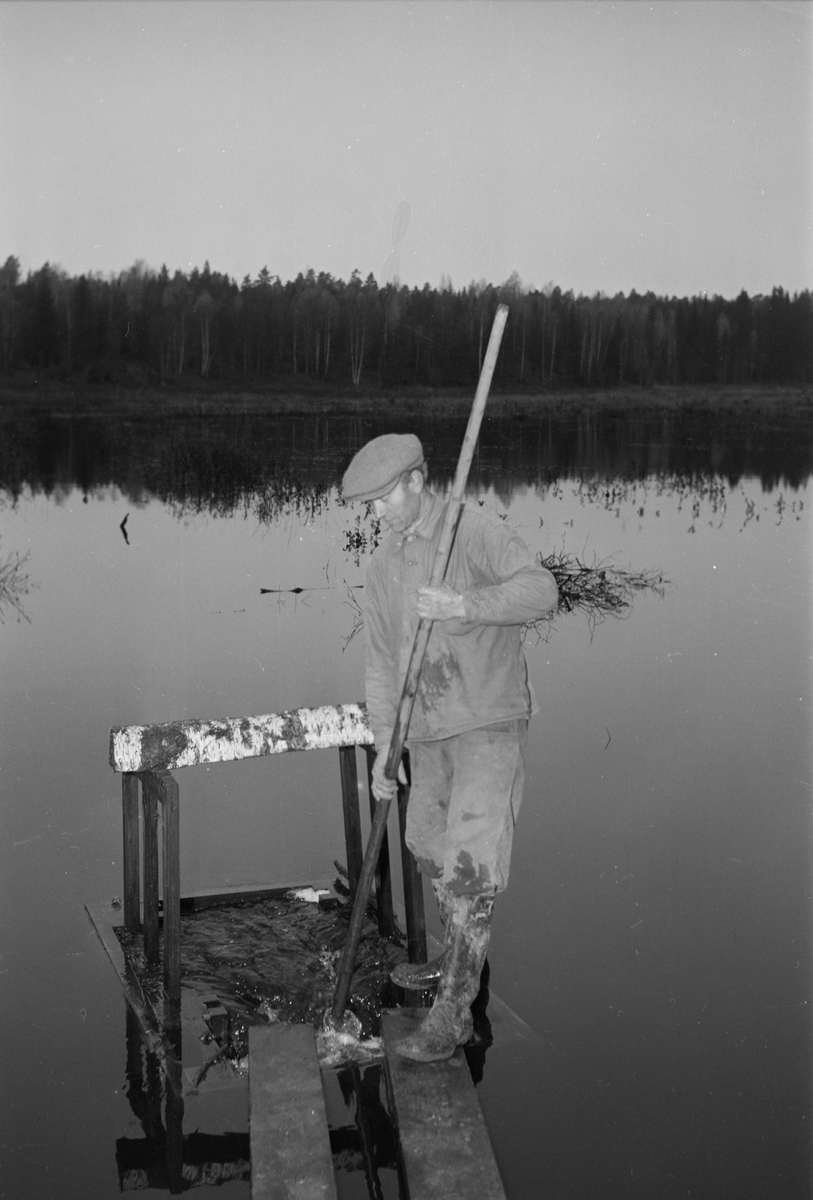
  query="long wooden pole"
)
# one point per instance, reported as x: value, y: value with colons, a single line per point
x: 405, y: 706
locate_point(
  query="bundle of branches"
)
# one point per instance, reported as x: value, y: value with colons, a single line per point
x: 14, y: 584
x: 598, y: 590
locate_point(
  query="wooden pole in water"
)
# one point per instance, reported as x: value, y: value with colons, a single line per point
x: 399, y: 733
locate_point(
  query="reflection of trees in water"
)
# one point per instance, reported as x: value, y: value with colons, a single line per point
x: 281, y: 497
x: 287, y: 496
x: 359, y: 539
x: 269, y: 464
x: 229, y: 466
x: 706, y: 498
x: 218, y: 465
x: 681, y: 443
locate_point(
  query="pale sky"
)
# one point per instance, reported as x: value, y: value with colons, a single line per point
x: 599, y: 146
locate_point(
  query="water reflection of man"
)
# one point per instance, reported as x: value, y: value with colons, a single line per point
x: 469, y: 724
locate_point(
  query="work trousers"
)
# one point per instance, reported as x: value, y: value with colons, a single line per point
x: 464, y: 800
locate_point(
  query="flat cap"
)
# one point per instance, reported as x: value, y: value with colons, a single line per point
x: 374, y: 471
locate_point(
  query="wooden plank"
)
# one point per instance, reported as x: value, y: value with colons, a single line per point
x: 444, y: 1141
x: 352, y: 815
x: 149, y: 796
x: 172, y: 886
x: 189, y: 743
x: 290, y: 1146
x: 132, y: 880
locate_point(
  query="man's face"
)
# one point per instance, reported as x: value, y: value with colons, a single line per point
x: 399, y: 508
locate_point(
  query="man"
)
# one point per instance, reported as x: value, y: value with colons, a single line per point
x: 468, y: 729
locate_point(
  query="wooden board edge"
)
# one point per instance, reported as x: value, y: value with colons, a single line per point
x: 299, y: 1160
x: 445, y: 1144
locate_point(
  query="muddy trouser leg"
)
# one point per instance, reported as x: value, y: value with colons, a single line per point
x: 472, y: 859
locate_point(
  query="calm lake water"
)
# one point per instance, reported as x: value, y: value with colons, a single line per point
x: 655, y: 935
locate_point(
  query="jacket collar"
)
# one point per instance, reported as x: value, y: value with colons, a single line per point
x: 426, y: 523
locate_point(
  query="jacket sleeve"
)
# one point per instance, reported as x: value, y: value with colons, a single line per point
x: 509, y: 585
x: 381, y: 672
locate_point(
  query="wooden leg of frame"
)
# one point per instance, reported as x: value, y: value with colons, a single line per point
x: 132, y: 882
x: 413, y: 888
x: 383, y: 878
x: 149, y: 793
x: 172, y: 887
x: 352, y: 815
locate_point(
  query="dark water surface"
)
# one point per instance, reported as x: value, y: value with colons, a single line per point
x: 655, y: 935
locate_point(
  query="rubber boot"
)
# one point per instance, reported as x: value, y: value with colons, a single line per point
x: 449, y: 1021
x: 421, y: 977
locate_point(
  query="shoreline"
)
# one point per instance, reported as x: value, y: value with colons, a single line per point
x: 201, y: 398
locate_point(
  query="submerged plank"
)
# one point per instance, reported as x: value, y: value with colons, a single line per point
x: 188, y: 743
x: 290, y: 1146
x: 104, y: 921
x: 444, y: 1142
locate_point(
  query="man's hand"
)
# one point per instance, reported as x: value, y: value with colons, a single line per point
x: 383, y: 788
x: 440, y: 604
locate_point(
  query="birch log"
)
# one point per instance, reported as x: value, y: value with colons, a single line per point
x: 191, y: 743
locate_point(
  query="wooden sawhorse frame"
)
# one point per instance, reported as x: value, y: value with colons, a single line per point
x: 145, y: 755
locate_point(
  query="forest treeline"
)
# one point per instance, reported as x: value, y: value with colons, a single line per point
x: 145, y: 326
